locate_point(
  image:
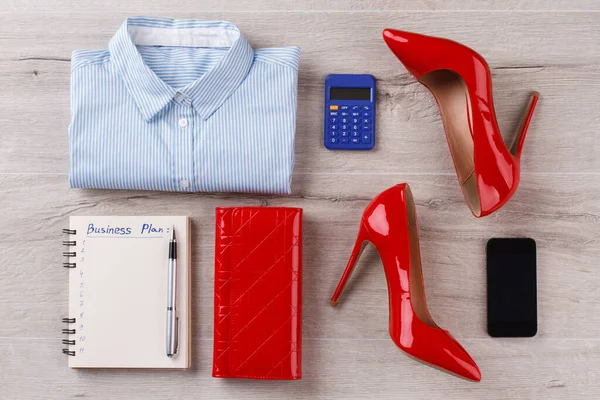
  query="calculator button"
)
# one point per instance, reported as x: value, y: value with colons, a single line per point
x: 345, y: 114
x: 345, y: 133
x: 333, y: 140
x: 344, y: 120
x: 355, y: 127
x: 355, y: 134
x: 356, y: 107
x: 333, y: 120
x: 344, y: 140
x: 344, y: 107
x: 333, y: 127
x: 333, y: 133
x: 333, y: 113
x: 344, y: 127
x: 367, y: 114
x: 355, y: 140
x: 366, y: 138
x: 355, y: 120
x: 356, y: 114
x: 334, y: 108
x: 367, y: 108
x: 366, y: 127
x: 366, y: 121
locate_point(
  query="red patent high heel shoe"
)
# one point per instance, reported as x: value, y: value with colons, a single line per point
x: 390, y: 223
x: 460, y: 81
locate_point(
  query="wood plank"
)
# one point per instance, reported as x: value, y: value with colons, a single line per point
x: 544, y: 45
x: 560, y: 212
x: 410, y: 139
x: 155, y: 7
x: 325, y: 37
x: 350, y: 369
x: 410, y: 135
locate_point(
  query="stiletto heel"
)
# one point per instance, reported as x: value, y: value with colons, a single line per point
x: 517, y: 146
x: 461, y: 83
x: 359, y: 246
x: 389, y: 223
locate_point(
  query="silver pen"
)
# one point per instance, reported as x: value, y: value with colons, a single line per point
x: 172, y: 320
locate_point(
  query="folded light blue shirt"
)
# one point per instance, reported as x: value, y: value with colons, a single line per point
x: 183, y: 105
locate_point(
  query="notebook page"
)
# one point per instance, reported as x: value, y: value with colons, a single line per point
x: 118, y: 292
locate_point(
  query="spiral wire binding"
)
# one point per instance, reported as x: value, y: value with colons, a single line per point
x: 69, y: 243
x: 68, y: 331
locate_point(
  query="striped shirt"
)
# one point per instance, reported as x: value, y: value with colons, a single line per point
x: 183, y: 105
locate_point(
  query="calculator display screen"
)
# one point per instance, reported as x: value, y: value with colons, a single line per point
x: 348, y: 93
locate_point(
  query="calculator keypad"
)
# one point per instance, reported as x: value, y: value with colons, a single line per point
x: 350, y: 125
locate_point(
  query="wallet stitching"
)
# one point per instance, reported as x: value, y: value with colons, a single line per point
x: 239, y: 229
x: 253, y: 250
x: 264, y: 273
x: 279, y: 363
x: 260, y: 244
x: 264, y: 342
x: 263, y: 309
x: 231, y: 282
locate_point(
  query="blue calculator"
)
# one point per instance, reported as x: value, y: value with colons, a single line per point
x: 349, y: 112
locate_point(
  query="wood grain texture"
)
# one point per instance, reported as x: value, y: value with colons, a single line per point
x: 409, y: 132
x: 410, y: 135
x: 548, y: 46
x: 452, y: 242
x: 156, y: 6
x: 341, y: 368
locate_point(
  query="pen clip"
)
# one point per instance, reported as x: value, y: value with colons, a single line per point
x: 176, y: 334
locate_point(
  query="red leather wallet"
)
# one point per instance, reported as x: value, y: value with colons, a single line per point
x: 258, y: 293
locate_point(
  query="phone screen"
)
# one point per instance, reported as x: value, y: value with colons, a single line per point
x: 512, y: 288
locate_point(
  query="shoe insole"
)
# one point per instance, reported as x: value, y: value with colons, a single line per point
x: 455, y: 109
x: 417, y: 288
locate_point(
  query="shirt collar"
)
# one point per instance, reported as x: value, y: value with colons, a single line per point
x: 208, y: 93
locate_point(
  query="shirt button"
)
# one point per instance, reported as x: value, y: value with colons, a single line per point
x: 183, y: 122
x: 179, y: 96
x: 184, y: 183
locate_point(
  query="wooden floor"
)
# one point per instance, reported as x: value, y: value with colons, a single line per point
x: 530, y: 45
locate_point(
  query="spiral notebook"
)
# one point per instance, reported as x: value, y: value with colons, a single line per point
x: 118, y: 279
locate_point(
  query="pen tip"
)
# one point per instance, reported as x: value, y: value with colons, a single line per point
x: 173, y: 233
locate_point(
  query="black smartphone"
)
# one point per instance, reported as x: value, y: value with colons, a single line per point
x: 511, y: 287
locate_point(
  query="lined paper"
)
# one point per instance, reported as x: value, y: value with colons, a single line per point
x: 118, y: 292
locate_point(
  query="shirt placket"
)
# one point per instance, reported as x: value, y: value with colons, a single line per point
x: 184, y: 179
